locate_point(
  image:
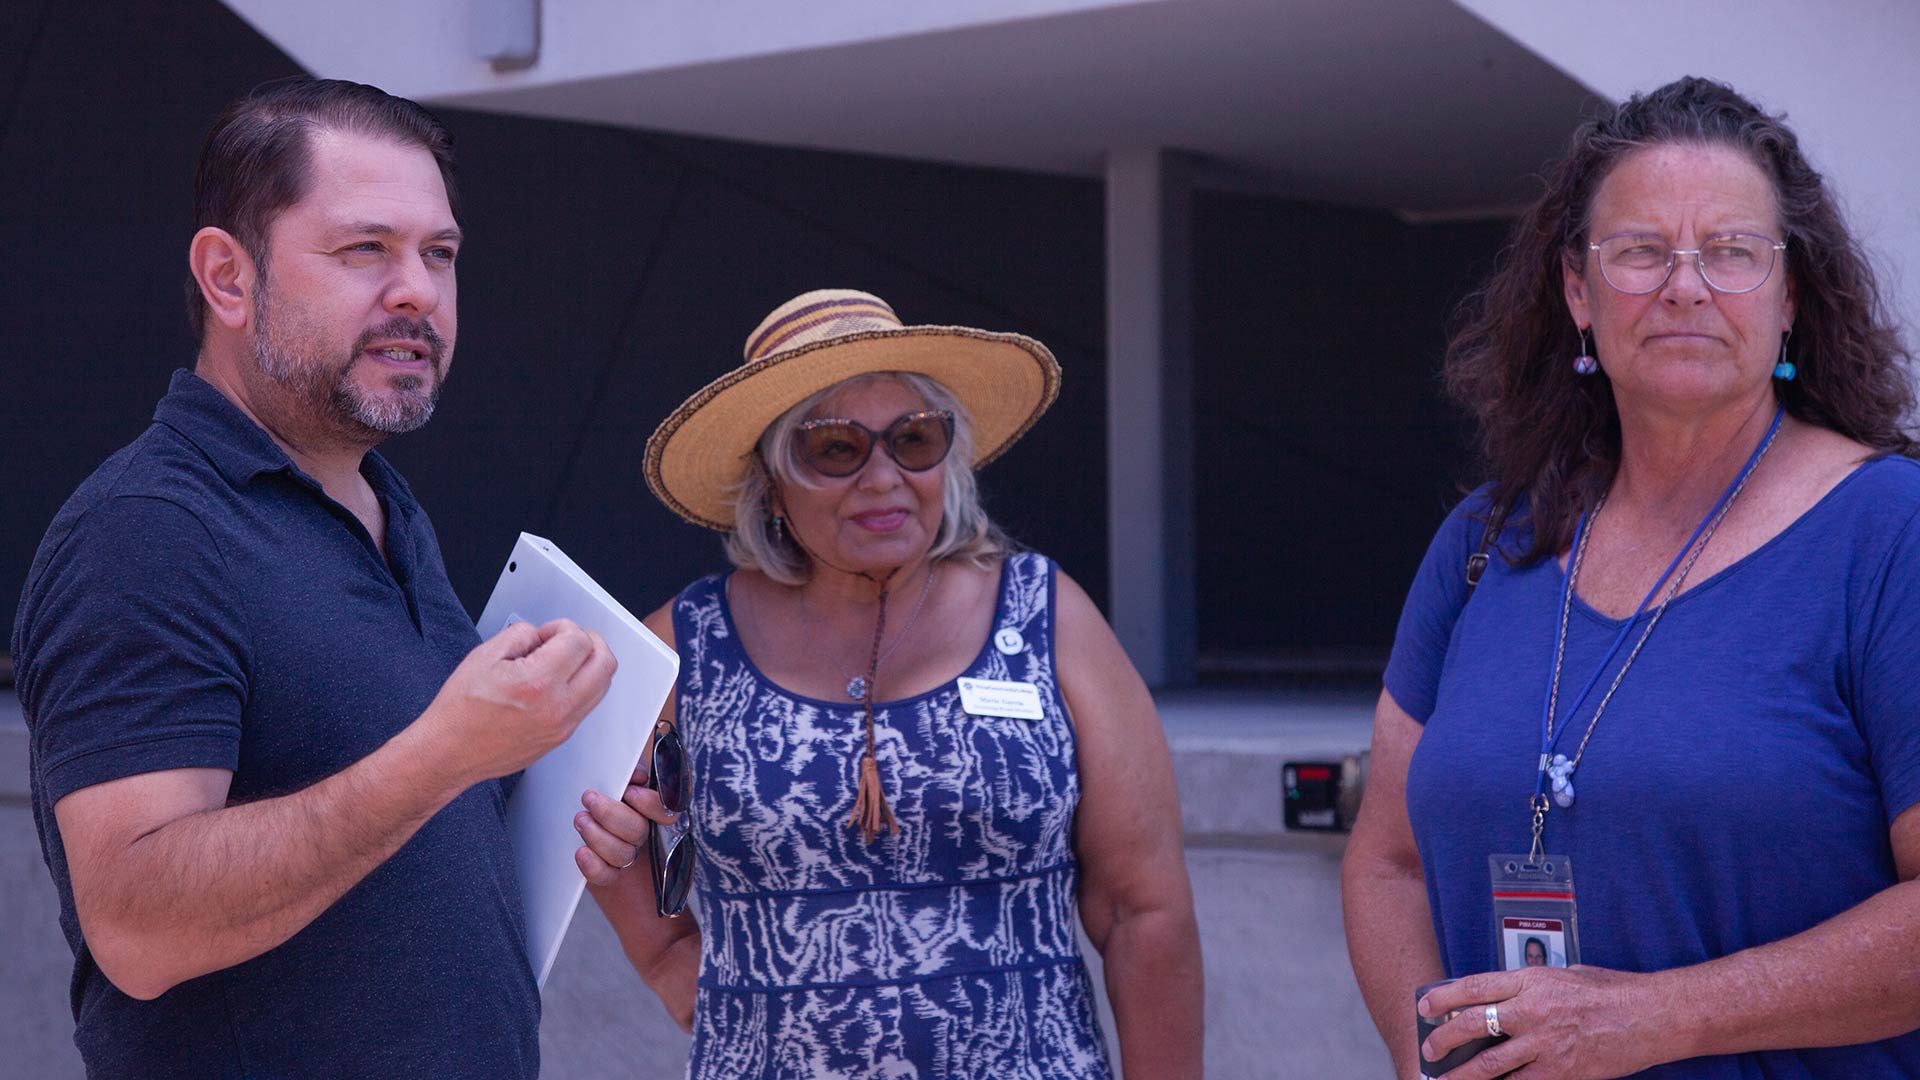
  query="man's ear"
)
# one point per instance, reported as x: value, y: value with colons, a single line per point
x: 227, y: 276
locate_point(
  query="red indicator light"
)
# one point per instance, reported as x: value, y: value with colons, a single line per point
x: 1315, y: 772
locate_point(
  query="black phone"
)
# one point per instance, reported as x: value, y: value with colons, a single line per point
x: 1461, y: 1054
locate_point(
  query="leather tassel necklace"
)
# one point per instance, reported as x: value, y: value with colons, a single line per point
x: 871, y: 814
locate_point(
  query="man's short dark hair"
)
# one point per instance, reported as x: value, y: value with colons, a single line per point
x: 257, y: 159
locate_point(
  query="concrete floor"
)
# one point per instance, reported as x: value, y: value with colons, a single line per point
x: 1281, y: 1000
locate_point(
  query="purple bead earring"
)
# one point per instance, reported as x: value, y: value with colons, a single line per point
x: 1585, y: 364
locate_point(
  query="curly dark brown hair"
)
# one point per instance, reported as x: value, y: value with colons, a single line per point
x: 1550, y: 440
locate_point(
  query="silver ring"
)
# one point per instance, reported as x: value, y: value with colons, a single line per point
x: 630, y: 862
x: 1494, y: 1030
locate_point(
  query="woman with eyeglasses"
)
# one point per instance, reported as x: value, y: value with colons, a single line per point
x: 1656, y: 687
x: 911, y: 751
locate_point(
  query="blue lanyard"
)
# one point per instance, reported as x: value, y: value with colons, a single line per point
x: 1548, y: 737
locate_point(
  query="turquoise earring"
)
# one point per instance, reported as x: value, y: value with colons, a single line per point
x: 1785, y: 370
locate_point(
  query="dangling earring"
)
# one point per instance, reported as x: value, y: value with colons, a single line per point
x: 779, y: 530
x: 1585, y: 364
x: 1785, y: 370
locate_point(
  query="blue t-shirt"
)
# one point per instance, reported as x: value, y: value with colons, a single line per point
x: 201, y: 602
x: 1740, y: 785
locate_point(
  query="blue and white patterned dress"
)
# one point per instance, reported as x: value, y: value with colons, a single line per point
x: 944, y: 951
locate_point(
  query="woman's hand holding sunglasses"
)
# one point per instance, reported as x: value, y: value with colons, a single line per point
x: 615, y: 830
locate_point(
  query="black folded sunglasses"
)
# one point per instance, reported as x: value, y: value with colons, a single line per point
x: 671, y: 856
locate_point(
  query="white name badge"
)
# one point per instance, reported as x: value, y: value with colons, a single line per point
x: 992, y: 697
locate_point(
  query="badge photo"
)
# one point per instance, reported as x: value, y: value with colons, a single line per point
x: 1533, y: 942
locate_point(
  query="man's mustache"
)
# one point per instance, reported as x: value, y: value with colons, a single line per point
x: 412, y: 329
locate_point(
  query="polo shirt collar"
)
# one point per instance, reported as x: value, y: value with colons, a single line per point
x: 240, y: 448
x: 237, y: 446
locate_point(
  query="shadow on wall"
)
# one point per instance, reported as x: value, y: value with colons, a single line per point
x: 1328, y: 455
x: 610, y: 273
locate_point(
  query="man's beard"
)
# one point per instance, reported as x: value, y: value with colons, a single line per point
x: 329, y: 390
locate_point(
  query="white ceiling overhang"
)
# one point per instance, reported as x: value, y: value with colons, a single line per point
x: 1411, y: 105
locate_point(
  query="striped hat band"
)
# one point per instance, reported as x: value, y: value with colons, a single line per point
x: 800, y: 323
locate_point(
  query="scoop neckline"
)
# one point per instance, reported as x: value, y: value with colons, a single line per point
x: 1594, y: 614
x: 979, y: 656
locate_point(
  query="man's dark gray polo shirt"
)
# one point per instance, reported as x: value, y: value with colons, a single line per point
x: 201, y: 603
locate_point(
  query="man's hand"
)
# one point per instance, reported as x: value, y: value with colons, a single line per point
x: 518, y: 695
x: 171, y: 882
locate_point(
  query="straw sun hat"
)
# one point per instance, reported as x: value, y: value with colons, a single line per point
x: 701, y: 452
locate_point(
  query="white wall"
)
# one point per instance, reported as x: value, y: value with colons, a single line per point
x: 1846, y: 73
x: 419, y: 48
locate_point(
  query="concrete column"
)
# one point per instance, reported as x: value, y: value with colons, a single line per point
x: 1150, y: 412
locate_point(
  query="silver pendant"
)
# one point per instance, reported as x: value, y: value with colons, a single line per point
x: 857, y: 688
x: 1560, y: 771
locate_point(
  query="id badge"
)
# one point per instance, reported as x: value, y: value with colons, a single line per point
x: 995, y: 697
x: 1535, y: 923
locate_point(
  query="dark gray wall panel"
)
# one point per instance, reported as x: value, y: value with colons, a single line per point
x: 610, y: 273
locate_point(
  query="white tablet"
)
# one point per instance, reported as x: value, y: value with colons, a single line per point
x: 538, y: 584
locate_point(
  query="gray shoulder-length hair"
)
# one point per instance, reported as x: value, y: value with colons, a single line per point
x: 966, y: 533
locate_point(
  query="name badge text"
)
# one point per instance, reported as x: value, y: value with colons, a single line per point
x: 993, y: 697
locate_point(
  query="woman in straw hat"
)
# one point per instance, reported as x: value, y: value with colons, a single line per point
x: 912, y: 749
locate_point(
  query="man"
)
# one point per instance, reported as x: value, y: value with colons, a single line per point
x: 267, y: 741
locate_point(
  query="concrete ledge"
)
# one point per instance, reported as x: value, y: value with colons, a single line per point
x: 13, y: 750
x: 1228, y: 749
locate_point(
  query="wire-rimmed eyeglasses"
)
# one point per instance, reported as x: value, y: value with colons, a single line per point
x: 1640, y: 263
